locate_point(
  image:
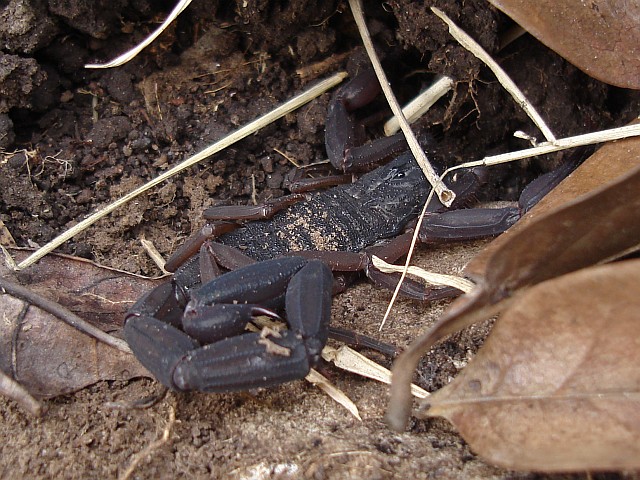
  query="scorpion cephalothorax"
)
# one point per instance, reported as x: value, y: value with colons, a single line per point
x: 190, y: 332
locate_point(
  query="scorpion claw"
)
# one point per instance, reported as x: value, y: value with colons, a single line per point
x: 211, y: 323
x: 255, y: 283
x: 233, y: 360
x: 243, y: 362
x: 158, y: 346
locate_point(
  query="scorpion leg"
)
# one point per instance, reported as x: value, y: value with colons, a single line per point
x: 199, y: 269
x: 252, y: 212
x: 194, y: 242
x: 161, y: 302
x: 300, y: 185
x: 342, y: 137
x: 477, y: 223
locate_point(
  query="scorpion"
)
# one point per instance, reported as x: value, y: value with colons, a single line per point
x: 190, y: 332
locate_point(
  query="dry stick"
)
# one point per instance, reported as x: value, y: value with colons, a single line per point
x: 470, y: 44
x: 445, y: 195
x: 430, y: 277
x: 555, y: 146
x: 323, y: 383
x: 155, y: 255
x: 239, y: 134
x: 348, y: 359
x: 62, y: 313
x: 417, y: 107
x: 13, y: 390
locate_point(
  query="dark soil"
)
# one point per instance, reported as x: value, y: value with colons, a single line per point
x: 73, y: 139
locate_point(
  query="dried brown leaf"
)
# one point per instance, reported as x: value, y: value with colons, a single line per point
x: 556, y: 386
x: 99, y: 294
x: 601, y: 37
x: 47, y: 356
x: 586, y: 231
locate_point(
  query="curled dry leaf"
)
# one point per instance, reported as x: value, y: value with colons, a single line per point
x: 47, y: 356
x: 556, y: 386
x: 584, y: 232
x: 601, y: 37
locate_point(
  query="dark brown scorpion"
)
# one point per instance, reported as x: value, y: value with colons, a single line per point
x: 190, y: 332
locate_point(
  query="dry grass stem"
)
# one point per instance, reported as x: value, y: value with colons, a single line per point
x: 429, y: 277
x: 130, y: 54
x: 421, y: 104
x: 322, y: 67
x: 348, y: 359
x: 230, y: 139
x: 470, y: 44
x: 445, y: 195
x: 154, y: 254
x: 592, y: 138
x: 344, y: 358
x: 334, y: 392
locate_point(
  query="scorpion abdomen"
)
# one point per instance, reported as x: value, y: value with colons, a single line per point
x: 344, y: 218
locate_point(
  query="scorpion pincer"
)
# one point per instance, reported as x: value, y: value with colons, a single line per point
x: 190, y: 332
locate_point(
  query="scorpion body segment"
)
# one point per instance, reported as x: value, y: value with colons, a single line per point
x: 344, y: 218
x: 347, y: 218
